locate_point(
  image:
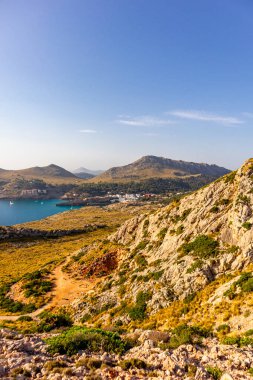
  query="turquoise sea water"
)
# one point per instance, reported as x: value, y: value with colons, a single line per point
x: 22, y: 211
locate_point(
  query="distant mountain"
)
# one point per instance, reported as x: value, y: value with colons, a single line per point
x: 47, y: 171
x: 158, y: 167
x: 87, y: 171
x: 84, y: 175
x: 50, y: 172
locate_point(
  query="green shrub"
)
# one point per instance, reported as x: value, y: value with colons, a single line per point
x: 145, y: 228
x: 85, y: 318
x: 157, y: 275
x: 245, y: 283
x: 162, y: 233
x: 37, y: 287
x: 215, y: 209
x: 52, y: 364
x: 37, y: 275
x: 215, y: 372
x: 195, y: 265
x: 243, y: 199
x: 132, y: 364
x: 21, y: 371
x: 79, y: 338
x: 230, y: 293
x: 10, y: 305
x: 248, y: 285
x: 191, y: 369
x: 223, y: 328
x: 177, y: 218
x: 189, y: 298
x: 185, y: 214
x: 247, y: 225
x: 245, y: 341
x: 229, y: 178
x: 179, y: 230
x: 224, y: 202
x: 141, y: 246
x: 233, y: 249
x: 249, y: 332
x: 250, y: 371
x: 138, y: 312
x: 231, y: 340
x: 185, y: 334
x: 50, y: 321
x: 89, y: 363
x: 202, y: 247
x: 25, y: 318
x: 141, y: 261
x: 184, y: 310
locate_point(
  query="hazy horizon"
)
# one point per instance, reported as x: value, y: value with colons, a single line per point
x: 101, y: 83
x: 122, y: 163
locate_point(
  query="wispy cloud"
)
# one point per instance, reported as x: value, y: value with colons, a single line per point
x: 88, y: 131
x: 205, y: 116
x: 143, y: 121
x: 248, y: 114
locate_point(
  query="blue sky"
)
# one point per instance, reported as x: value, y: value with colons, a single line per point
x: 99, y: 83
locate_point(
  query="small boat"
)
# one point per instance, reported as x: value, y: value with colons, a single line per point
x: 11, y: 203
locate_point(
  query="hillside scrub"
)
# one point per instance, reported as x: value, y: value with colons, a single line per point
x: 50, y: 321
x: 138, y: 311
x: 202, y: 247
x: 184, y: 334
x: 244, y: 284
x: 9, y: 305
x: 81, y: 338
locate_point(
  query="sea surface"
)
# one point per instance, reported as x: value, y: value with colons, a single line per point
x: 27, y: 210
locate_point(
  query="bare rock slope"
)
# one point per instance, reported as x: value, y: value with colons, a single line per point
x: 171, y: 254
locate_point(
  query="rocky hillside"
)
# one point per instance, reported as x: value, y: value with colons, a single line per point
x: 169, y: 295
x: 52, y: 179
x: 158, y: 167
x: 193, y: 256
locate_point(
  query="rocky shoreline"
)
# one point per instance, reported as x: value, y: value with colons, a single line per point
x: 26, y: 356
x: 12, y: 233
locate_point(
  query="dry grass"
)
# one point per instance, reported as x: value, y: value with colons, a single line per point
x: 111, y: 216
x: 18, y: 258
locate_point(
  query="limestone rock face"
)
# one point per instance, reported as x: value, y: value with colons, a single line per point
x: 221, y: 211
x: 169, y: 255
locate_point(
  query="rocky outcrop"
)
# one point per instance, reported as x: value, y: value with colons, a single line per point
x: 101, y: 266
x: 24, y: 357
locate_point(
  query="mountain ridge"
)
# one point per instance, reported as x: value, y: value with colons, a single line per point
x: 158, y: 167
x: 49, y: 171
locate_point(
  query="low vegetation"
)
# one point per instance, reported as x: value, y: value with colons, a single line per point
x: 9, y: 305
x: 244, y: 284
x: 79, y: 338
x: 202, y: 247
x: 185, y: 334
x: 138, y: 311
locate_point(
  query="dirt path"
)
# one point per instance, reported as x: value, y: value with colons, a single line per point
x: 66, y: 290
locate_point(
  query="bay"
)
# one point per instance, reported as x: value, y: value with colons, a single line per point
x: 27, y: 210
